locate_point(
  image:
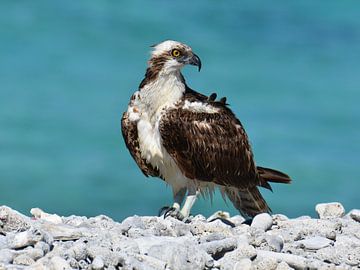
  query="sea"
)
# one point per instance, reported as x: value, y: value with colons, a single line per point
x: 290, y: 71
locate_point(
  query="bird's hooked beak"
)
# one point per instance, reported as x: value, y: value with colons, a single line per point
x: 195, y: 61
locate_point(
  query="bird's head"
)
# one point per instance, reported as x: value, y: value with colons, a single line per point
x: 171, y: 56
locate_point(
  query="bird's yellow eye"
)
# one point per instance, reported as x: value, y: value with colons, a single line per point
x: 175, y: 53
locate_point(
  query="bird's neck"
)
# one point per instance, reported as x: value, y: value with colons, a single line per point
x: 165, y: 90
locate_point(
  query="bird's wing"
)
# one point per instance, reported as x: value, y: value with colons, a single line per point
x: 130, y: 134
x: 208, y: 143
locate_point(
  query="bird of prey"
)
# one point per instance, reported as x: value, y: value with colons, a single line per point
x: 190, y: 140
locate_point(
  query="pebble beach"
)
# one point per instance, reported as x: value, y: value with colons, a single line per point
x: 49, y: 241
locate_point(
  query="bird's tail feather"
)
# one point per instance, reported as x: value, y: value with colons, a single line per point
x: 271, y: 175
x: 248, y: 201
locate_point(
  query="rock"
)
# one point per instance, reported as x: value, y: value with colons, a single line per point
x: 237, y: 220
x: 79, y: 251
x: 64, y: 232
x: 243, y: 251
x: 187, y: 257
x: 294, y: 261
x: 314, y: 243
x: 58, y: 263
x: 83, y: 264
x: 43, y: 246
x: 243, y: 264
x: 6, y: 256
x: 275, y: 242
x: 218, y: 248
x: 98, y: 263
x: 40, y: 214
x: 330, y: 210
x: 11, y: 220
x: 265, y: 263
x: 262, y: 221
x: 23, y: 259
x: 33, y: 253
x: 150, y: 243
x: 355, y: 214
x: 283, y: 266
x: 23, y: 239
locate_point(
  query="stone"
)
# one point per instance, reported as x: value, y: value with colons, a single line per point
x: 314, y: 243
x: 283, y: 266
x: 275, y: 242
x: 150, y: 243
x: 237, y: 220
x: 330, y: 210
x: 6, y: 255
x: 243, y: 264
x: 23, y: 259
x: 355, y: 214
x: 294, y: 261
x: 217, y: 248
x: 262, y: 221
x: 43, y: 246
x: 265, y: 263
x: 58, y: 263
x: 40, y: 214
x: 187, y: 257
x: 11, y: 220
x: 98, y: 263
x: 23, y: 239
x: 34, y: 253
x: 243, y: 251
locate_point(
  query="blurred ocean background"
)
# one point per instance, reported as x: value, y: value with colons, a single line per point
x: 290, y: 71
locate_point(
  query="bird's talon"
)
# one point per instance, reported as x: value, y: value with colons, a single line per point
x: 164, y: 210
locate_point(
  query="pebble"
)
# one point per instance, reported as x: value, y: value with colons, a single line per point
x: 237, y: 220
x: 283, y: 266
x: 40, y: 214
x: 267, y: 263
x: 355, y: 214
x: 262, y: 221
x: 58, y: 263
x: 271, y: 242
x: 23, y: 239
x: 243, y: 264
x: 330, y: 210
x: 275, y: 242
x: 6, y: 255
x: 314, y: 243
x: 218, y: 247
x: 23, y: 259
x: 98, y: 263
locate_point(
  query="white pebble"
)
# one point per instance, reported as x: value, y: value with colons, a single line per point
x: 330, y: 210
x: 355, y: 214
x: 262, y: 221
x: 98, y: 263
x: 6, y: 255
x: 23, y: 259
x: 58, y: 263
x: 283, y: 266
x: 40, y: 214
x: 243, y: 264
x: 314, y: 243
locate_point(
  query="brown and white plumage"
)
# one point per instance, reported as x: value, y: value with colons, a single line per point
x: 191, y: 141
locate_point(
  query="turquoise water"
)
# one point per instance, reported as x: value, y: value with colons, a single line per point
x: 290, y: 71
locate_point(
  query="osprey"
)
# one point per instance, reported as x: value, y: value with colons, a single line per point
x: 190, y: 140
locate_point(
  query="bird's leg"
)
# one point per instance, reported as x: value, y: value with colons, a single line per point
x: 175, y: 209
x: 189, y: 201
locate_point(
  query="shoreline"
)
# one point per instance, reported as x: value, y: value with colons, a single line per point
x: 48, y: 241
